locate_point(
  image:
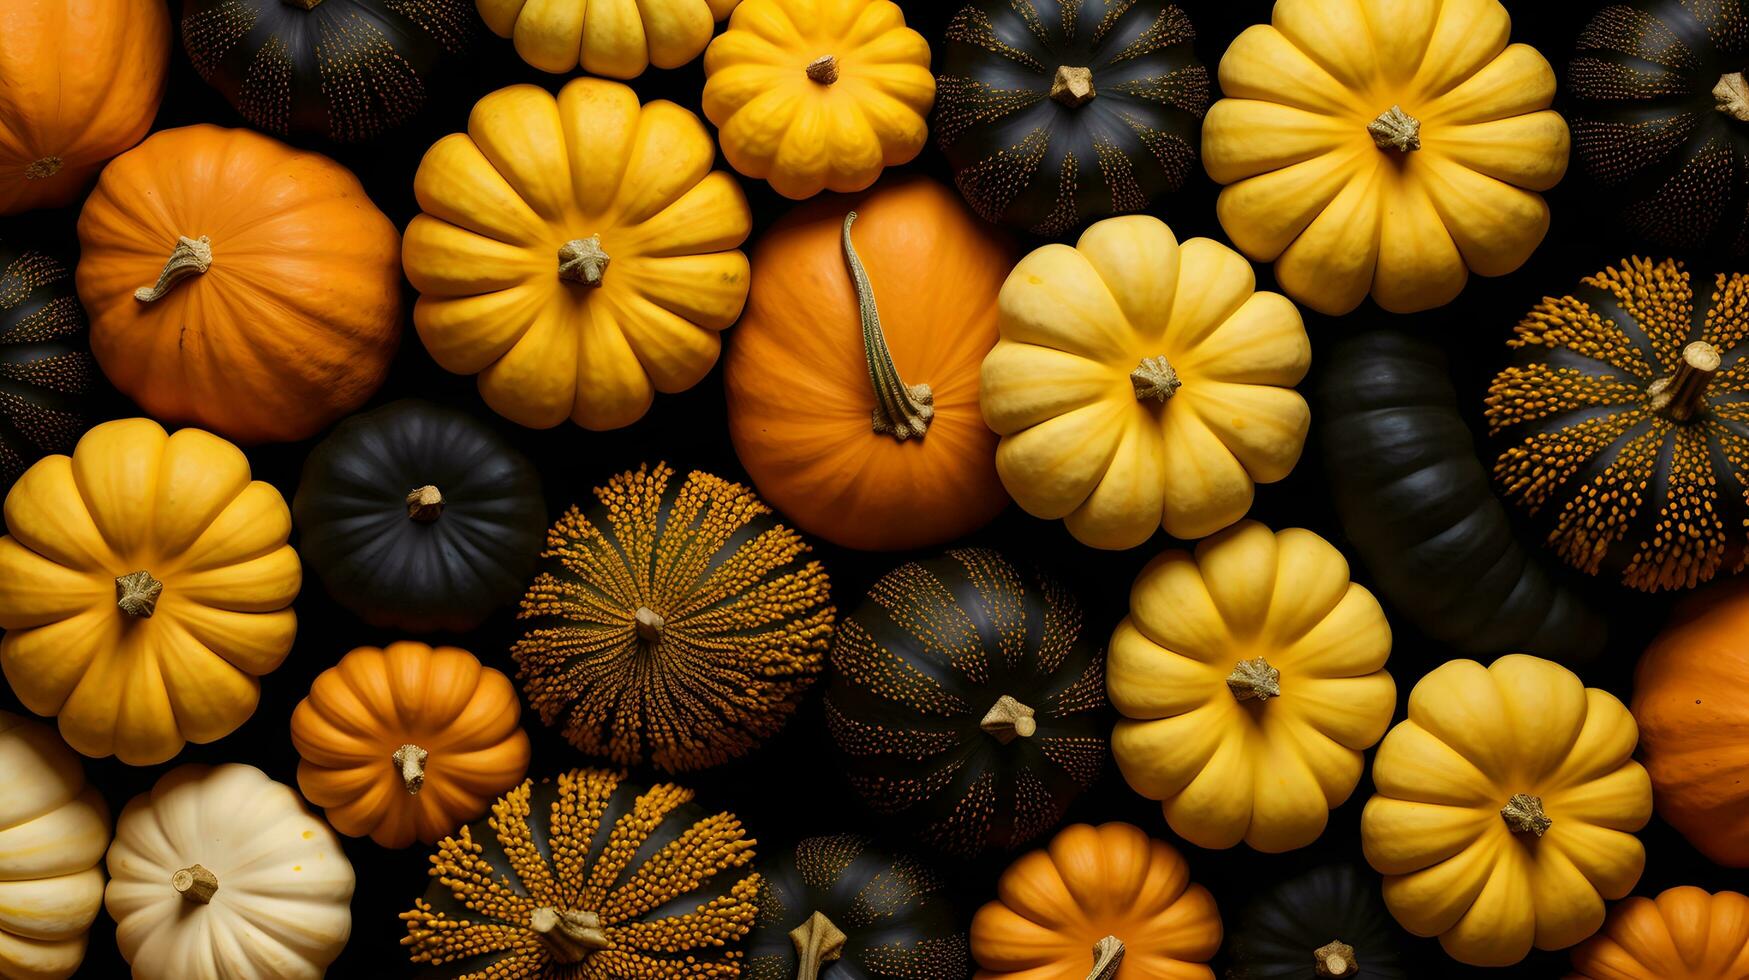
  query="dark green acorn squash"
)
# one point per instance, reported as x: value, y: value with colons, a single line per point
x: 839, y: 908
x: 45, y: 368
x: 344, y: 70
x: 1415, y: 501
x: 1329, y: 922
x: 1056, y: 112
x: 419, y: 518
x: 968, y: 702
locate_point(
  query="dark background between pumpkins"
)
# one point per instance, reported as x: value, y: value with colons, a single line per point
x: 793, y: 786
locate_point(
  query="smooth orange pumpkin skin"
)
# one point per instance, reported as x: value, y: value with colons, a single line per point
x: 1691, y: 700
x: 361, y: 710
x: 1683, y: 934
x: 295, y: 323
x: 82, y: 81
x: 798, y: 382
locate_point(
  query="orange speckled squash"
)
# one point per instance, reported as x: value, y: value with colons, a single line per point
x: 1683, y: 934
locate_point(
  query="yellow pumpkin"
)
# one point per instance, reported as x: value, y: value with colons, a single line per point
x: 577, y: 253
x: 145, y: 587
x: 1141, y: 383
x: 818, y: 96
x: 1384, y: 146
x: 1250, y: 677
x: 616, y: 38
x: 1506, y: 808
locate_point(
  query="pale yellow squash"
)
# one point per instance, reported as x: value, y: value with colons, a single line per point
x: 616, y: 38
x: 1384, y: 146
x: 1141, y: 383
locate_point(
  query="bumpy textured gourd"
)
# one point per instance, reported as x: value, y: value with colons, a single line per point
x: 1027, y: 96
x: 1326, y: 923
x: 616, y: 40
x: 1682, y: 934
x: 45, y: 367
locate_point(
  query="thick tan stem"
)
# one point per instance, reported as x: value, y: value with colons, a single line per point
x: 1073, y: 87
x: 649, y: 625
x: 42, y: 169
x: 1154, y: 378
x: 901, y: 410
x: 1107, y: 957
x: 1731, y: 96
x: 1395, y: 129
x: 425, y: 504
x: 195, y: 884
x: 1254, y: 680
x: 1335, y: 959
x: 569, y: 936
x: 136, y: 594
x: 818, y: 942
x: 581, y: 260
x: 409, y: 761
x: 1008, y: 720
x: 1524, y: 815
x: 1681, y: 396
x: 823, y: 70
x: 190, y: 257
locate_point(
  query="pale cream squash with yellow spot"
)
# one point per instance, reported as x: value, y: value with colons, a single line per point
x: 616, y: 38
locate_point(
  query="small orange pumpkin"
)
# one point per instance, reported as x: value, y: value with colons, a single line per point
x: 1683, y: 934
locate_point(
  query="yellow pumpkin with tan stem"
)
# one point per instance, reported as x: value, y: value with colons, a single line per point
x: 1140, y: 383
x: 616, y: 38
x: 818, y: 96
x: 1506, y: 808
x: 1250, y: 677
x: 1384, y: 146
x: 577, y: 253
x: 145, y: 587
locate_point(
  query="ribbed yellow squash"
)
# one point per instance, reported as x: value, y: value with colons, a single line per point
x: 144, y: 588
x: 1506, y: 808
x: 1251, y: 679
x: 1139, y: 384
x: 616, y: 38
x: 577, y: 253
x: 1384, y: 146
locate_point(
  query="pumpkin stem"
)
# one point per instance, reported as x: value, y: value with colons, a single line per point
x: 195, y: 884
x: 1395, y: 129
x: 570, y: 936
x: 818, y: 941
x: 42, y: 169
x: 1155, y: 378
x: 1732, y: 96
x: 1008, y: 720
x: 425, y: 504
x: 581, y: 260
x: 409, y: 761
x: 1335, y: 959
x: 1524, y: 815
x: 901, y: 410
x: 823, y: 70
x: 649, y: 624
x: 1073, y: 87
x: 1107, y: 957
x: 304, y: 4
x: 136, y: 594
x: 1680, y: 397
x: 190, y: 257
x: 1254, y: 680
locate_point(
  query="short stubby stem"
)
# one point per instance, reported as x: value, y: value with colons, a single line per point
x: 1254, y: 680
x: 649, y: 624
x: 569, y: 936
x: 1731, y: 96
x: 902, y: 411
x: 195, y: 884
x: 823, y: 70
x: 425, y: 504
x: 818, y: 941
x: 1395, y: 129
x: 190, y: 257
x: 409, y: 763
x: 1335, y: 959
x: 304, y: 4
x: 581, y: 260
x: 1107, y: 957
x: 1008, y: 720
x: 1524, y: 815
x: 42, y: 169
x: 1155, y: 378
x: 136, y: 594
x: 1681, y: 396
x: 1072, y: 86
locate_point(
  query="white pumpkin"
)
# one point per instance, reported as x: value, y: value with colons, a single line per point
x: 220, y: 873
x: 53, y: 829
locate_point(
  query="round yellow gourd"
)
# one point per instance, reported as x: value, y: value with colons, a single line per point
x: 1250, y: 677
x: 616, y: 38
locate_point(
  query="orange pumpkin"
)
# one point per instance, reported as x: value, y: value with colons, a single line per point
x: 1683, y: 934
x: 408, y: 742
x: 854, y: 405
x: 239, y: 284
x: 82, y: 80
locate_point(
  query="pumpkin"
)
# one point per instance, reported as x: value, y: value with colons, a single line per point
x: 967, y: 701
x: 83, y: 80
x: 420, y: 518
x: 1053, y: 114
x: 624, y: 883
x: 676, y: 622
x: 255, y: 296
x: 852, y: 381
x: 1251, y: 678
x: 53, y: 830
x: 218, y: 871
x: 407, y: 742
x: 619, y: 40
x: 1328, y: 922
x: 839, y: 908
x: 577, y: 253
x: 1683, y: 934
x: 1417, y: 507
x: 1105, y: 903
x: 814, y: 97
x: 145, y: 587
x: 344, y: 70
x: 46, y: 371
x: 1658, y: 105
x: 1621, y: 424
x: 1385, y: 148
x: 1691, y: 702
x: 1506, y: 809
x: 1141, y: 384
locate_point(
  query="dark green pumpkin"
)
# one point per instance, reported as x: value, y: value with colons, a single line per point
x: 891, y: 912
x: 968, y: 701
x: 1648, y: 127
x: 1056, y: 112
x: 1417, y: 505
x: 343, y: 70
x: 1284, y: 929
x: 419, y: 564
x: 45, y: 368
